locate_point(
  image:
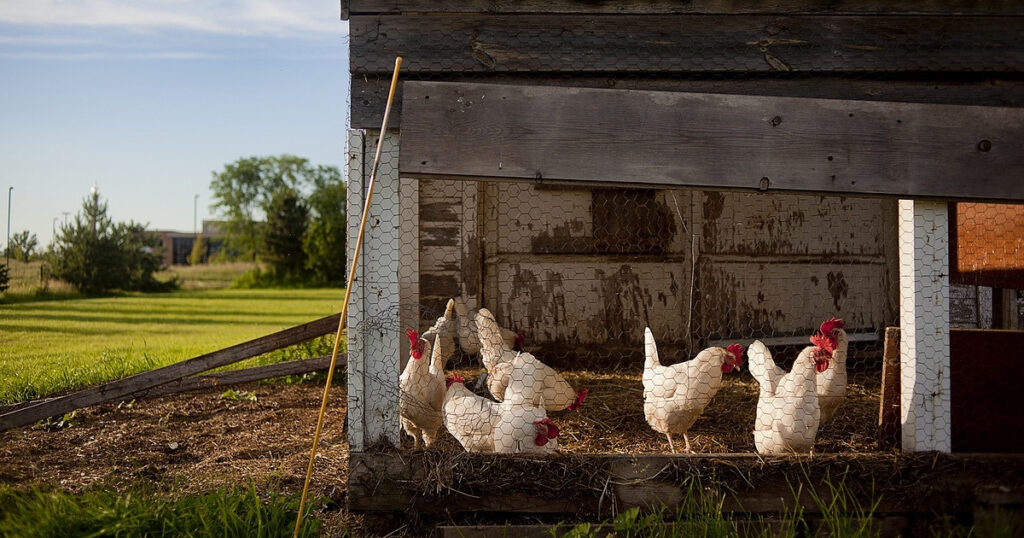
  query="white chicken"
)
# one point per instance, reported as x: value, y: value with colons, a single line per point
x: 422, y: 390
x: 469, y: 340
x: 532, y: 381
x: 674, y: 396
x: 831, y: 384
x: 788, y: 413
x: 481, y: 425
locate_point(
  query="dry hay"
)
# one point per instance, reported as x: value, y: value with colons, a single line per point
x: 611, y: 420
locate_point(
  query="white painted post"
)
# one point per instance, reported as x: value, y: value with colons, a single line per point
x: 924, y: 320
x: 373, y: 322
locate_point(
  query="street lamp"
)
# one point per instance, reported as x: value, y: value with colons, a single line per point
x: 10, y: 191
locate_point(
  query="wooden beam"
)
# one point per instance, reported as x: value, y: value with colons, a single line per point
x: 712, y: 141
x: 221, y: 379
x: 124, y: 388
x: 370, y: 92
x: 664, y: 7
x: 686, y: 43
x: 444, y: 484
x: 889, y: 402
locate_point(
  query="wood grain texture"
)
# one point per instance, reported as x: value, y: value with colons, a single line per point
x: 123, y: 388
x: 889, y: 402
x: 601, y: 483
x: 712, y: 141
x: 661, y: 7
x: 370, y: 92
x: 685, y: 43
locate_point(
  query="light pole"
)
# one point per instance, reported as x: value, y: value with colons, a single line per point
x: 10, y: 191
x: 195, y: 212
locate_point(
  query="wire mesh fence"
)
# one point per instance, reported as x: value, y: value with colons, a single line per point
x: 534, y: 317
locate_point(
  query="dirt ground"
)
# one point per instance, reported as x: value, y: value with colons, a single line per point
x: 192, y: 442
x: 197, y: 441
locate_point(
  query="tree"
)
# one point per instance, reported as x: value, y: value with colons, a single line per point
x: 243, y: 191
x: 94, y: 254
x: 198, y: 251
x: 23, y: 245
x: 326, y: 238
x: 287, y: 220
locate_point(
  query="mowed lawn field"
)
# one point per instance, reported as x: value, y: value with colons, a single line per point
x: 56, y: 346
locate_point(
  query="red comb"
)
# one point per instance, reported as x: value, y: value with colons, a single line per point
x: 575, y: 405
x: 549, y: 431
x: 824, y: 343
x: 737, y: 351
x: 414, y: 344
x: 832, y: 324
x: 454, y: 378
x: 413, y: 336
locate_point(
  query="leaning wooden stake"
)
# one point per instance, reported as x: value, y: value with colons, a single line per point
x: 348, y: 291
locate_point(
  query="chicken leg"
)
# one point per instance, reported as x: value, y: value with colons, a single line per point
x: 670, y: 445
x: 687, y: 439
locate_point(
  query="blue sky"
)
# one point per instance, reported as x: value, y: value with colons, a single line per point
x: 147, y: 98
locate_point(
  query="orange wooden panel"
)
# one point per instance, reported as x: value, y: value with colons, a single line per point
x: 987, y: 244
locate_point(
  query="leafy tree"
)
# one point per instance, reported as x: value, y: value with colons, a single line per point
x: 23, y: 245
x: 94, y: 254
x: 243, y: 190
x: 5, y: 277
x: 326, y: 238
x: 287, y: 220
x: 198, y: 251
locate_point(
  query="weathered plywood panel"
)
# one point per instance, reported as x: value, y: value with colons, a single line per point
x: 532, y: 219
x: 590, y: 301
x: 752, y: 299
x: 774, y: 225
x: 685, y: 43
x: 713, y: 141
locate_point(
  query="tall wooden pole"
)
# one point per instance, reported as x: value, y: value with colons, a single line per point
x: 348, y: 292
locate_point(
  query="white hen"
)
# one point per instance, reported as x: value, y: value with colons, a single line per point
x: 519, y: 376
x: 481, y: 425
x: 788, y: 414
x: 469, y: 339
x: 674, y: 396
x: 831, y: 384
x: 422, y: 390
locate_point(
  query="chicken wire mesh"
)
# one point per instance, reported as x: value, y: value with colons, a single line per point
x: 533, y: 317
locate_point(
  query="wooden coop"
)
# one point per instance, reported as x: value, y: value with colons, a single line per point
x: 717, y: 172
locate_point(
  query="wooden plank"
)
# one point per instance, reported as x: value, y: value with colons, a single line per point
x: 889, y: 403
x: 233, y: 377
x: 663, y: 7
x: 245, y: 375
x: 120, y: 389
x: 370, y: 92
x: 713, y: 141
x: 686, y: 43
x: 449, y: 484
x: 985, y: 371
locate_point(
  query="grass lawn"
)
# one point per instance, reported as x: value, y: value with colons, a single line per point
x: 55, y: 346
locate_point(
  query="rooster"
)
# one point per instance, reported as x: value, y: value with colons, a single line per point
x: 530, y: 381
x: 481, y: 425
x: 674, y: 396
x: 788, y: 413
x: 422, y: 389
x: 469, y: 339
x: 831, y: 384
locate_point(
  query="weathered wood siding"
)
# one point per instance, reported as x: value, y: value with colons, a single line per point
x: 586, y: 269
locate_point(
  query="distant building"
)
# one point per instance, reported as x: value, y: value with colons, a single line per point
x: 178, y: 245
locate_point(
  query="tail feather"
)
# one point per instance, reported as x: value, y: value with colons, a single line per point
x: 650, y: 349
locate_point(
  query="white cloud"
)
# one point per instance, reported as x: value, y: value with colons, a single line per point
x: 278, y: 18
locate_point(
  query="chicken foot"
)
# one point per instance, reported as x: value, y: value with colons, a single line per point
x: 670, y: 445
x: 687, y: 439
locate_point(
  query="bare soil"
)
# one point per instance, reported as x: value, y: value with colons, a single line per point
x: 192, y: 442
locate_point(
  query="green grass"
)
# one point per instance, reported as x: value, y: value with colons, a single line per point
x: 57, y: 346
x: 226, y: 512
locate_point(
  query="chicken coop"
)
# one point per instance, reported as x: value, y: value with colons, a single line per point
x: 606, y: 179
